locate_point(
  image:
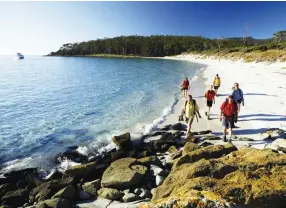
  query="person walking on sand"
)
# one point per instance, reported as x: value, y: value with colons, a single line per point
x: 185, y: 86
x: 228, y: 113
x: 238, y: 96
x: 210, y: 100
x: 216, y: 83
x: 190, y: 109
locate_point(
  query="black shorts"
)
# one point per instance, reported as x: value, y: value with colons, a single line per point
x: 209, y: 103
x: 238, y: 101
x: 216, y: 87
x: 228, y: 121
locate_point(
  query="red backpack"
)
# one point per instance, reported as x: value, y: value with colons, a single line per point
x: 210, y: 94
x: 229, y: 111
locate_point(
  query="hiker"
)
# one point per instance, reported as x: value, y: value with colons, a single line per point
x: 190, y: 109
x: 185, y: 86
x: 210, y: 99
x: 216, y: 83
x: 227, y: 116
x: 238, y: 96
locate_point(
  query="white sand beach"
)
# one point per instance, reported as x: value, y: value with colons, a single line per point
x: 264, y: 91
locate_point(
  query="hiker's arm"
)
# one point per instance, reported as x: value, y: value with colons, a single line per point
x: 197, y: 110
x: 242, y: 98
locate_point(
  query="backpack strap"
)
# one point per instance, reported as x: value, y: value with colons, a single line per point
x: 194, y: 103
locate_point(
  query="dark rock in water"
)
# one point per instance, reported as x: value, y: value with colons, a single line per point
x: 166, y: 128
x: 164, y: 143
x: 6, y: 187
x: 177, y: 126
x: 123, y: 142
x: 56, y: 175
x: 81, y: 170
x: 48, y: 189
x: 25, y: 174
x: 95, y: 174
x: 16, y: 198
x: 72, y: 155
x: 66, y: 193
x: 123, y: 174
x: 110, y: 193
x: 92, y: 187
x: 118, y: 155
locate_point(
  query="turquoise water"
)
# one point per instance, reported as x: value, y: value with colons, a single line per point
x: 49, y: 103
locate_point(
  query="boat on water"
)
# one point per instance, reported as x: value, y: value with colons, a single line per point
x: 19, y: 56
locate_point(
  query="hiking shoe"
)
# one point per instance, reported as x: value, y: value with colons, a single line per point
x: 224, y: 139
x: 229, y: 140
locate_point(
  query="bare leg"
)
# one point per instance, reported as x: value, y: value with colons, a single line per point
x: 189, y: 125
x: 209, y: 113
x: 224, y: 134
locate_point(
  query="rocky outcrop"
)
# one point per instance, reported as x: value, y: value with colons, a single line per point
x: 247, y: 177
x: 15, y: 198
x: 123, y: 173
x: 92, y: 187
x: 49, y: 189
x: 205, y: 153
x: 189, y: 147
x: 111, y: 194
x: 123, y: 142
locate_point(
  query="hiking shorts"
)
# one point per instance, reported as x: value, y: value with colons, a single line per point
x: 216, y: 87
x: 228, y: 122
x: 209, y: 103
x: 189, y: 121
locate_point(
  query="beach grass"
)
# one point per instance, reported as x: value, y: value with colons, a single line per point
x: 272, y: 55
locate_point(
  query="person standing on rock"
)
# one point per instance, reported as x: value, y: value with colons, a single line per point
x: 216, y: 83
x: 185, y: 86
x: 228, y: 113
x: 210, y: 99
x: 238, y: 96
x: 190, y: 109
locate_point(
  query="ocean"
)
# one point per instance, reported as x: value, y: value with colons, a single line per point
x: 50, y: 103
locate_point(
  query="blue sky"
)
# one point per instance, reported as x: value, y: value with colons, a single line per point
x: 41, y: 27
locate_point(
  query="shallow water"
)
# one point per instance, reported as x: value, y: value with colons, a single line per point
x: 49, y: 103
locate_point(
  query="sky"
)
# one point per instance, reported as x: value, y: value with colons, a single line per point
x: 38, y: 28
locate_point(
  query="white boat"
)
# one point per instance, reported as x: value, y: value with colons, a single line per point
x: 19, y: 56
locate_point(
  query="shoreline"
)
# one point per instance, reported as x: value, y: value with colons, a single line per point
x: 108, y: 179
x: 255, y: 117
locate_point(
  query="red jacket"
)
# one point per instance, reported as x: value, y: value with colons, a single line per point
x: 210, y: 94
x: 229, y: 109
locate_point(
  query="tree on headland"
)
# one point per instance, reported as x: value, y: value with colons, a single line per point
x: 161, y: 45
x: 279, y: 36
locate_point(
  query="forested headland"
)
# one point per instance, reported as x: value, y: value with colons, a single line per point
x: 159, y: 45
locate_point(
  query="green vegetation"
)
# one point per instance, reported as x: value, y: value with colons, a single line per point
x: 158, y: 46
